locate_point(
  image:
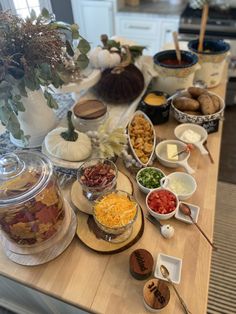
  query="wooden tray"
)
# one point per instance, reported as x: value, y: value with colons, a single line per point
x: 84, y: 205
x: 88, y: 237
x: 49, y: 253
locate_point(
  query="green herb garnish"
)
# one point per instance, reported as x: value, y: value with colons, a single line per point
x: 150, y: 178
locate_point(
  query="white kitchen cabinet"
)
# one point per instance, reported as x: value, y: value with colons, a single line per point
x: 150, y: 30
x: 167, y: 28
x: 94, y: 18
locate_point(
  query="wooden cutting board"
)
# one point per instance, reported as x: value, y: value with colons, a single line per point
x: 96, y: 242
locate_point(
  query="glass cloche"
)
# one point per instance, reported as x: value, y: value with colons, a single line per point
x: 31, y: 205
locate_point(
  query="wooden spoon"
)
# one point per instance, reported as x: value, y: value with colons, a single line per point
x: 166, y: 274
x: 203, y: 27
x: 177, y: 50
x: 186, y: 211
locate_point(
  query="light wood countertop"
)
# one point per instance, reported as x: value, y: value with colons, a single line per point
x: 102, y: 283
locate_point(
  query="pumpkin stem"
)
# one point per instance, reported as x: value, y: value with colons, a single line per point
x: 70, y: 135
x: 104, y: 40
x: 126, y: 61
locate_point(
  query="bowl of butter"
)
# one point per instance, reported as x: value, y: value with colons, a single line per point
x: 174, y: 154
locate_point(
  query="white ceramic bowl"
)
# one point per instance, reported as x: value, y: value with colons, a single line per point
x: 181, y: 183
x: 142, y: 187
x: 138, y: 112
x: 157, y: 215
x: 180, y: 129
x: 184, y: 117
x: 161, y: 153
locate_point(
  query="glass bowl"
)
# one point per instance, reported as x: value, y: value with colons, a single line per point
x: 115, y: 213
x: 97, y: 176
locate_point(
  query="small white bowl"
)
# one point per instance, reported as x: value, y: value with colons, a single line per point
x: 142, y: 187
x: 185, y: 180
x: 194, y: 213
x: 180, y: 129
x: 172, y: 263
x: 160, y: 216
x: 161, y: 153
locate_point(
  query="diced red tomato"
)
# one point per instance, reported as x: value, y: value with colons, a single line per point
x: 162, y: 201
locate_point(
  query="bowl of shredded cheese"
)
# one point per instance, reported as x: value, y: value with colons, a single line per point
x: 115, y: 213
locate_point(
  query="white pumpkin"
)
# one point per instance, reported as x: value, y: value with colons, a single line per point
x: 102, y: 58
x: 68, y: 150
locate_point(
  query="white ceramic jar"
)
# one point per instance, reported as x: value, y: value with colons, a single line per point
x: 212, y: 60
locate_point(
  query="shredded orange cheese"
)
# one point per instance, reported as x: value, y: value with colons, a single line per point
x: 115, y: 210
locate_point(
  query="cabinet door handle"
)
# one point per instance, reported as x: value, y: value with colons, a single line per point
x: 168, y: 31
x: 139, y: 27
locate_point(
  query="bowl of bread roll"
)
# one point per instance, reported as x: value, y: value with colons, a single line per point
x: 197, y: 105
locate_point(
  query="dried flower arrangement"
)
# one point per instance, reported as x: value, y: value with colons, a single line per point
x: 35, y: 52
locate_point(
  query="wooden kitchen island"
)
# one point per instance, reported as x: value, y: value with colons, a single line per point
x: 102, y: 283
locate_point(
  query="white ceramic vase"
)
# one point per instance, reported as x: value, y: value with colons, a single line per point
x: 37, y: 119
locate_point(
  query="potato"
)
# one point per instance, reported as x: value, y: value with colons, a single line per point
x: 193, y: 113
x: 216, y: 102
x: 184, y: 103
x: 196, y: 91
x: 206, y: 104
x: 186, y: 94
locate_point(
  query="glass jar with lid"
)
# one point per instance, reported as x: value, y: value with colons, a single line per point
x: 31, y: 205
x: 89, y: 114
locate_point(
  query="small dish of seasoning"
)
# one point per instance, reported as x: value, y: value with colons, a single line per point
x: 156, y: 106
x: 89, y: 114
x: 149, y: 178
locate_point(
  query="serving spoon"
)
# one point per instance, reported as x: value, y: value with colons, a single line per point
x: 187, y: 211
x: 166, y: 274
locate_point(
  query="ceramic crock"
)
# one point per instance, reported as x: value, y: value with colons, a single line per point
x: 212, y: 60
x: 173, y: 77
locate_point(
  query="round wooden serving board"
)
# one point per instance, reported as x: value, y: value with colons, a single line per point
x: 49, y: 253
x: 97, y: 244
x: 84, y: 205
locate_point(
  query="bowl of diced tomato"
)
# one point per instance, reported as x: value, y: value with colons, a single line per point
x: 162, y: 203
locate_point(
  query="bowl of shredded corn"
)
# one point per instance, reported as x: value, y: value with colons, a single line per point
x: 115, y: 213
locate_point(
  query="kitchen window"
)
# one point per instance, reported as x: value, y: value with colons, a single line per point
x: 23, y: 7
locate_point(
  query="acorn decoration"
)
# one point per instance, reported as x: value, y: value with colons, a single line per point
x: 121, y: 84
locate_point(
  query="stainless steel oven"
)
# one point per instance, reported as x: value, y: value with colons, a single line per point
x: 221, y: 24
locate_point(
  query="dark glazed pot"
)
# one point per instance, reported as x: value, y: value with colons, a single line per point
x: 188, y: 58
x: 210, y: 46
x: 158, y: 114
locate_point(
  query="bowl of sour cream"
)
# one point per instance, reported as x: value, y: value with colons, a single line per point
x: 192, y: 134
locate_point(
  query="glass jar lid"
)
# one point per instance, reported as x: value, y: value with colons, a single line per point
x: 22, y: 175
x: 90, y: 109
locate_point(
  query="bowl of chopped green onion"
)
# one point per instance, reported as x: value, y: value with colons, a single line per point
x: 149, y: 178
